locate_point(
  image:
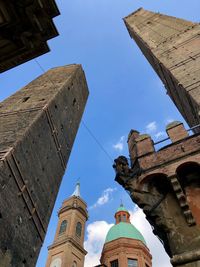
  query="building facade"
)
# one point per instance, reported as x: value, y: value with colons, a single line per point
x: 38, y: 125
x: 67, y: 248
x: 172, y: 47
x: 124, y: 245
x: 165, y: 184
x: 25, y: 28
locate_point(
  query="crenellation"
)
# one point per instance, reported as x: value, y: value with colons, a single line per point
x: 165, y: 184
x: 176, y: 131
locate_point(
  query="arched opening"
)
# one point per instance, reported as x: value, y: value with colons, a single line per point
x: 63, y: 227
x: 78, y: 229
x: 159, y: 182
x: 155, y: 197
x: 189, y: 178
x: 56, y: 263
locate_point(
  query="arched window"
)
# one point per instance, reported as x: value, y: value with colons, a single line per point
x: 78, y: 229
x: 74, y: 264
x: 124, y: 217
x: 63, y: 227
x: 188, y: 175
x: 56, y: 263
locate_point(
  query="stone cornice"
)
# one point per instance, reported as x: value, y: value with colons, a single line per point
x: 125, y: 243
x: 68, y: 240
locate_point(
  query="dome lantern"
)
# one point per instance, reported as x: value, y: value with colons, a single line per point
x: 122, y: 215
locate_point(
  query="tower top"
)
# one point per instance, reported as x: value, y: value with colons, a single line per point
x: 121, y: 208
x: 77, y: 190
x: 123, y: 227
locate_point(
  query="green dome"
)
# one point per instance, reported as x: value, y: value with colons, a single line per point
x: 124, y: 229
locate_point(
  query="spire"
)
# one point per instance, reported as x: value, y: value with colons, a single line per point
x: 77, y: 190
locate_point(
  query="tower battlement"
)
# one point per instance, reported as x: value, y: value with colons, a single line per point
x: 165, y: 184
x: 143, y: 148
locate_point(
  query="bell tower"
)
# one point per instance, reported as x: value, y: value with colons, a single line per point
x: 67, y: 248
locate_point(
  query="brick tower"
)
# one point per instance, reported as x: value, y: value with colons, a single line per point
x: 25, y: 28
x: 124, y: 244
x: 38, y: 125
x: 172, y: 47
x: 166, y: 185
x: 67, y: 248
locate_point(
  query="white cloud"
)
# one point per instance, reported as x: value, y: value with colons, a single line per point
x: 151, y: 127
x: 104, y: 198
x: 95, y: 238
x: 160, y: 258
x: 119, y: 146
x: 169, y: 120
x: 160, y: 134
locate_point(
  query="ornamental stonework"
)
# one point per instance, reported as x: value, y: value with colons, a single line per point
x: 165, y: 184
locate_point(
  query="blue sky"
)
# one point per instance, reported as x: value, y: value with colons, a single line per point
x: 125, y: 93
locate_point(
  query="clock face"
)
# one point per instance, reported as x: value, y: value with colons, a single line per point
x: 56, y: 262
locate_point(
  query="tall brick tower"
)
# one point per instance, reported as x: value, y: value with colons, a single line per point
x: 67, y: 248
x: 172, y: 47
x: 38, y: 125
x: 166, y: 185
x: 124, y: 244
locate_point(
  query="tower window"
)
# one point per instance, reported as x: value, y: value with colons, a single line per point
x: 63, y: 227
x: 114, y: 263
x: 78, y: 229
x: 132, y: 263
x: 74, y: 264
x: 124, y: 217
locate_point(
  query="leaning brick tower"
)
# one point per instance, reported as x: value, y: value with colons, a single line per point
x: 38, y: 125
x: 172, y: 47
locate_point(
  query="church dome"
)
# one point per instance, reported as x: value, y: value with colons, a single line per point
x: 124, y: 229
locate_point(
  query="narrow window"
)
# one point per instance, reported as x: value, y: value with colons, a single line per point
x: 114, y: 263
x: 132, y: 263
x: 78, y: 229
x: 25, y: 99
x: 63, y: 227
x: 124, y: 217
x: 74, y: 264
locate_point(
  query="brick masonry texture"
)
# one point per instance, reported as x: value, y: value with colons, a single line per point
x: 25, y: 28
x: 165, y: 184
x: 38, y: 125
x: 172, y: 47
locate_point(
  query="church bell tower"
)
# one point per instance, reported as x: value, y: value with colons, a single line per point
x: 67, y: 248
